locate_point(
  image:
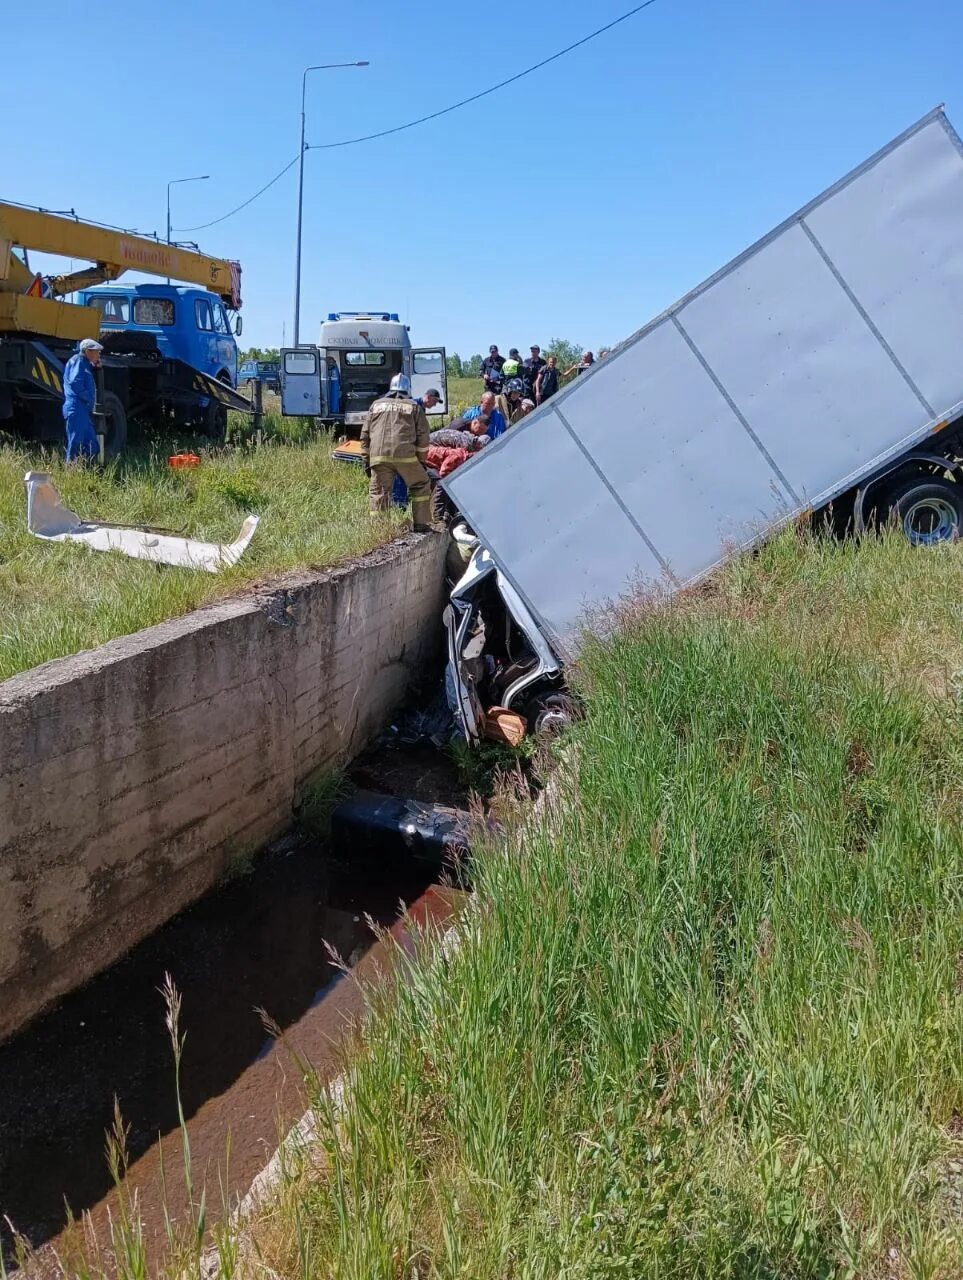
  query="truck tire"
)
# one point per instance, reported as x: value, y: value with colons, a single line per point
x: 115, y: 425
x: 214, y: 424
x: 549, y: 714
x: 928, y: 509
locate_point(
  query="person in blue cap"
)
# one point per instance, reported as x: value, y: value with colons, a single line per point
x: 80, y: 395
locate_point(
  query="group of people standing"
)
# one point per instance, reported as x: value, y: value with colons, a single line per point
x: 404, y: 459
x: 534, y: 380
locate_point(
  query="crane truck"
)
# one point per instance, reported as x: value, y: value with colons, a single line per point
x: 150, y: 372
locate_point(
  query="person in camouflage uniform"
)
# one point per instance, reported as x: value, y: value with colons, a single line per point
x: 394, y: 442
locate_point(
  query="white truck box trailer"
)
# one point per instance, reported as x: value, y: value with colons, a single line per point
x: 823, y: 365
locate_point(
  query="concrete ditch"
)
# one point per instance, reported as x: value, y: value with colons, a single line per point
x: 133, y: 776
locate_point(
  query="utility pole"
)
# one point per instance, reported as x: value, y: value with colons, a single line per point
x: 173, y: 183
x: 324, y: 66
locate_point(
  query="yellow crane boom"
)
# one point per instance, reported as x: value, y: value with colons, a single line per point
x: 111, y: 251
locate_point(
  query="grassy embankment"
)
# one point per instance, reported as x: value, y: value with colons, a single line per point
x: 463, y: 392
x: 57, y: 599
x: 705, y: 1018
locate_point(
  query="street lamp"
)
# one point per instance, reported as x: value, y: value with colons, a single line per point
x: 324, y: 66
x: 173, y: 183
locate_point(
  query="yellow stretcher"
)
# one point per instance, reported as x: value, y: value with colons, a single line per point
x: 348, y: 451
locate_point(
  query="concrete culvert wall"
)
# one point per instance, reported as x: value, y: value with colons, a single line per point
x: 132, y: 776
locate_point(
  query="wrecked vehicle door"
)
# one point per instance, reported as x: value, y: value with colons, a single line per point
x: 497, y: 656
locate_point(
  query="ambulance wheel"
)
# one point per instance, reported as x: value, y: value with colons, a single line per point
x: 115, y: 425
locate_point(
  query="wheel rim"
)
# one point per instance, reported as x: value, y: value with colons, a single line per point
x: 931, y: 520
x: 552, y: 720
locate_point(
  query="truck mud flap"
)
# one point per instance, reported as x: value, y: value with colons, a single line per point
x: 182, y: 380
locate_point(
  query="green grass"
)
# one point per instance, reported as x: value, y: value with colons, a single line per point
x: 706, y: 1015
x: 463, y: 393
x: 57, y: 599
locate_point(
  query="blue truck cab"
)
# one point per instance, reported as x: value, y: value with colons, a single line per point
x: 183, y: 322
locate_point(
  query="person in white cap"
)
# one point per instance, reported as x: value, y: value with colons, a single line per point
x: 80, y: 396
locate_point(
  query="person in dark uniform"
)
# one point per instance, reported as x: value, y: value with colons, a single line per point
x: 532, y: 367
x: 547, y: 383
x: 492, y: 370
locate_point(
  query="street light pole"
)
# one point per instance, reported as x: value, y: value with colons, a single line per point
x: 324, y: 66
x: 173, y: 183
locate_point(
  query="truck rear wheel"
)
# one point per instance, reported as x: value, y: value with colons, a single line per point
x: 115, y: 425
x: 215, y: 421
x: 215, y: 417
x: 549, y: 714
x: 928, y: 509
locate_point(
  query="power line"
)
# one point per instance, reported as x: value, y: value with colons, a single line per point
x: 250, y: 200
x: 434, y: 115
x: 400, y: 128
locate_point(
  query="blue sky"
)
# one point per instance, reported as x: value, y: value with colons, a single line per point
x: 576, y: 203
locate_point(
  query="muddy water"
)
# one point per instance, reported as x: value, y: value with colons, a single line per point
x: 255, y: 943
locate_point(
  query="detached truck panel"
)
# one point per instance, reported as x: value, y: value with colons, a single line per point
x: 831, y: 346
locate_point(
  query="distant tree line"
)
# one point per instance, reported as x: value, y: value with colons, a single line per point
x: 459, y: 368
x: 259, y: 353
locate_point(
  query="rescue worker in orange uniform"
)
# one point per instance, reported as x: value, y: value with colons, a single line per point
x: 394, y: 442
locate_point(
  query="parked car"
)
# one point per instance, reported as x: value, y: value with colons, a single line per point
x: 267, y: 372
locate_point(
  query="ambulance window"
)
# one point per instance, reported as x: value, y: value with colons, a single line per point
x: 427, y: 362
x: 300, y: 362
x: 364, y: 357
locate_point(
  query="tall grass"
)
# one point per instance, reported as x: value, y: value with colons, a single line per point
x: 56, y: 599
x: 706, y: 1016
x: 463, y: 393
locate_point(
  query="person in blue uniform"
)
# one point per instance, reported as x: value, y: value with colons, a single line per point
x: 80, y: 395
x: 486, y: 405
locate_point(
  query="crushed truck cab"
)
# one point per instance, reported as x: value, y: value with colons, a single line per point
x: 497, y: 654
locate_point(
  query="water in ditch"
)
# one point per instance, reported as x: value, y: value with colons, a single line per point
x: 256, y: 943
